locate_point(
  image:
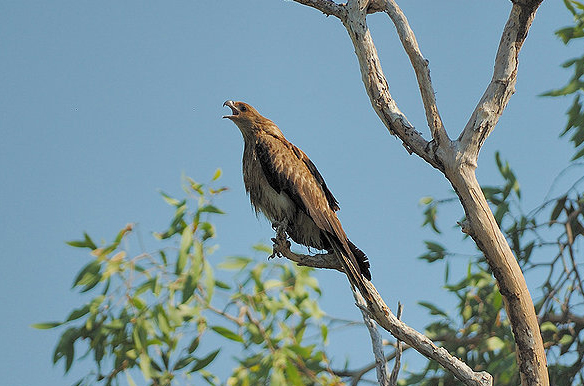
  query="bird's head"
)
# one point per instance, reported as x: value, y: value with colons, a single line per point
x: 248, y: 119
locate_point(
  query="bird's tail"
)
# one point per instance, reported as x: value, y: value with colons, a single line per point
x: 351, y: 265
x: 361, y: 258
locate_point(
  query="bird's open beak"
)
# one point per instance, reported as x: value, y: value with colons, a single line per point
x: 234, y: 111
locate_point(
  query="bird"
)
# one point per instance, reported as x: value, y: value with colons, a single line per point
x: 285, y: 185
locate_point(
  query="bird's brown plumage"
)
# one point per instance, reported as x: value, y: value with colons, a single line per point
x: 287, y: 188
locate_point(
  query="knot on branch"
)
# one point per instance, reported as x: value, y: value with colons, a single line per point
x: 465, y: 227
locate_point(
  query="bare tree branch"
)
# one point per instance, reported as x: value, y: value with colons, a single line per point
x: 328, y: 7
x: 378, y: 89
x: 381, y: 313
x: 423, y: 344
x: 376, y: 341
x: 398, y: 351
x: 487, y: 235
x: 421, y: 69
x: 458, y: 163
x: 356, y: 375
x: 502, y: 86
x: 281, y: 247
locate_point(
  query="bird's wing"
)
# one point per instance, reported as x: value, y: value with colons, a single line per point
x: 288, y: 169
x: 333, y: 203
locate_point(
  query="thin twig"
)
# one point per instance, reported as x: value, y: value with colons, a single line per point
x: 398, y: 352
x: 376, y: 342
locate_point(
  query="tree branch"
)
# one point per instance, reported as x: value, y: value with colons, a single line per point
x: 281, y: 247
x: 488, y: 237
x: 381, y: 313
x: 423, y: 344
x: 502, y: 86
x: 328, y: 7
x: 398, y: 352
x: 458, y: 163
x: 421, y: 69
x: 378, y: 89
x: 376, y: 341
x: 357, y: 374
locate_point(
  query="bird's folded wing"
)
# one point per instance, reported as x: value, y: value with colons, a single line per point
x: 288, y: 169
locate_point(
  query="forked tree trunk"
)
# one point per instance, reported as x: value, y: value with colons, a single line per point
x: 457, y: 160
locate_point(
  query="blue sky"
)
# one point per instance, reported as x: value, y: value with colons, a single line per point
x: 103, y: 103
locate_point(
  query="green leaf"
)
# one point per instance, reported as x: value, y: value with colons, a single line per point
x: 497, y: 300
x: 430, y: 215
x: 324, y: 333
x: 426, y: 200
x: 494, y: 343
x: 235, y: 263
x: 433, y: 309
x: 46, y: 325
x: 202, y: 363
x: 262, y: 248
x: 149, y: 284
x: 183, y: 362
x: 436, y: 252
x: 194, y: 344
x: 140, y: 337
x: 217, y: 174
x: 210, y: 209
x: 292, y: 375
x: 89, y: 276
x: 186, y: 243
x: 558, y: 208
x: 222, y: 285
x: 548, y: 327
x: 227, y: 333
x: 501, y: 211
x: 303, y: 352
x: 567, y: 339
x: 169, y: 200
x: 190, y: 285
x: 277, y: 378
x: 162, y: 321
x: 85, y: 243
x: 145, y: 366
x: 209, y: 280
x: 76, y: 314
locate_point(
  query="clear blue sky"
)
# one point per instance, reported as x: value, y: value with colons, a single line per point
x: 103, y: 103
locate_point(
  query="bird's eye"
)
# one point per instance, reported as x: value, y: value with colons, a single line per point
x: 242, y: 108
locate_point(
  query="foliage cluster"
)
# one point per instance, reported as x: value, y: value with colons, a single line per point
x: 156, y: 311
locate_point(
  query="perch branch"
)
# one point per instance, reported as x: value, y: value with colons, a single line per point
x: 381, y: 313
x: 320, y: 260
